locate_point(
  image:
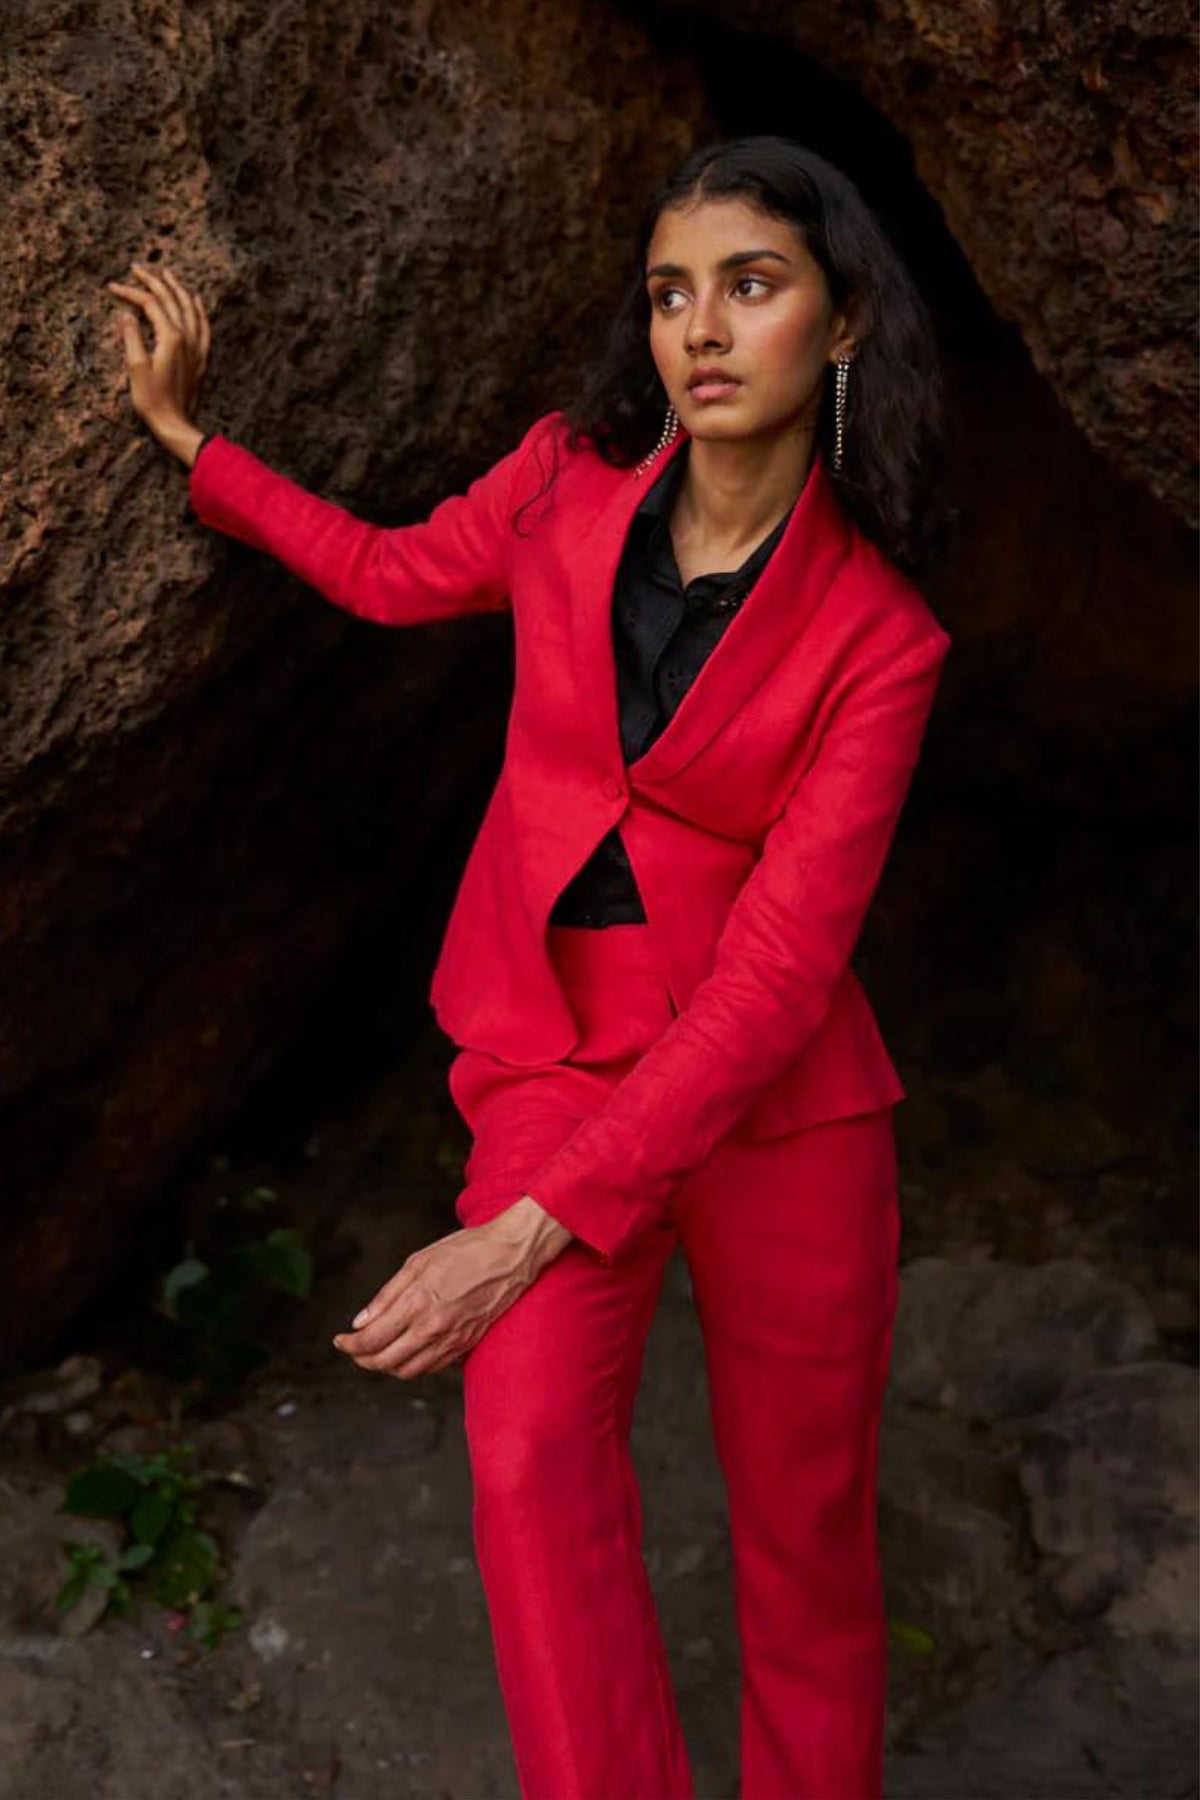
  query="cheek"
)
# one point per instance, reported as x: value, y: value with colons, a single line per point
x: 791, y: 348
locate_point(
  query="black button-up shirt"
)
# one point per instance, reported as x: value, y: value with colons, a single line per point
x: 662, y: 634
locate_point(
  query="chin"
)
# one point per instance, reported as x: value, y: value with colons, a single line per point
x: 729, y: 424
x: 719, y: 423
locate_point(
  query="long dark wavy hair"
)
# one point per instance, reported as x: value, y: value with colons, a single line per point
x: 894, y: 436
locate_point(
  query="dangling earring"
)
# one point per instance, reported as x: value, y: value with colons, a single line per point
x: 669, y: 431
x: 841, y: 378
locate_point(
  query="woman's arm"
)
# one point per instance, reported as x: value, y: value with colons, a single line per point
x: 785, y: 945
x: 453, y: 562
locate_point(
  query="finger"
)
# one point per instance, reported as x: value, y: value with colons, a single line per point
x: 411, y: 1354
x: 428, y: 1362
x: 385, y: 1361
x: 391, y: 1290
x: 205, y: 333
x: 186, y: 305
x: 384, y: 1325
x: 162, y: 292
x: 136, y: 354
x: 191, y: 333
x: 400, y: 1334
x: 149, y: 305
x: 421, y: 1365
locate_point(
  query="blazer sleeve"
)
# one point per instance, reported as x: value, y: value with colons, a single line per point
x: 454, y: 562
x: 786, y: 943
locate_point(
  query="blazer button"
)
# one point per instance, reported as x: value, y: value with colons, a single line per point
x: 612, y: 788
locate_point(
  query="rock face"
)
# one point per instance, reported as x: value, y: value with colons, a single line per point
x: 986, y: 1340
x: 209, y: 776
x: 1111, y: 1476
x: 1038, y: 1494
x: 1060, y: 142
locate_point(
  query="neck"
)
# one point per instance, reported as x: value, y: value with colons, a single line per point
x: 735, y: 491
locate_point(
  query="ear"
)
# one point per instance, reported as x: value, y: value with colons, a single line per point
x: 844, y: 327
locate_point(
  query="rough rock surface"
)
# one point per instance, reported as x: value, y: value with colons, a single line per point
x: 990, y: 1341
x: 401, y: 220
x: 1111, y: 1475
x: 1060, y: 141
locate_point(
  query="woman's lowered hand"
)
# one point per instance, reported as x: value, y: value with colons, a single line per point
x: 442, y: 1299
x: 164, y: 382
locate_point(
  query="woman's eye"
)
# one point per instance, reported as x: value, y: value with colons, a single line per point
x: 662, y: 299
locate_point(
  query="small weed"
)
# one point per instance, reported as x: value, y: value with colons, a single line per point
x: 206, y: 1328
x: 208, y: 1622
x: 911, y: 1637
x: 156, y: 1499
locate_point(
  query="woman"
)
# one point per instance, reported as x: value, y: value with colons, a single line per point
x: 724, y: 673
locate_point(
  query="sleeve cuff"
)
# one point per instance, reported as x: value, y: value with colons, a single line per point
x: 603, y: 1223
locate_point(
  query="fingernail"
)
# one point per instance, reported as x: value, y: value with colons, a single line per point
x: 360, y: 1318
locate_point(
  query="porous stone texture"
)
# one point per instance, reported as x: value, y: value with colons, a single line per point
x: 405, y: 222
x: 1038, y: 1497
x: 1065, y: 1628
x: 1112, y: 1478
x: 988, y: 1340
x: 1060, y: 142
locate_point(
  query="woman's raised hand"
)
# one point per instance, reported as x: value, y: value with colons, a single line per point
x: 164, y: 383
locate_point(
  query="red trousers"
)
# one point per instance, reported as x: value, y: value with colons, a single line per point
x: 791, y: 1244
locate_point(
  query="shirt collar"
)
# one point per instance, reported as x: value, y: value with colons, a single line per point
x: 654, y: 511
x: 656, y: 501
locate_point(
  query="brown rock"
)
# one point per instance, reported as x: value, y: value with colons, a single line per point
x: 209, y: 777
x: 1061, y: 145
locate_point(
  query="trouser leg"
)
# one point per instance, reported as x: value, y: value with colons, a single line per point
x: 549, y: 1393
x: 792, y: 1246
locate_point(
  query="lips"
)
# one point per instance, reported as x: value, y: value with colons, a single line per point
x: 708, y: 386
x: 711, y: 377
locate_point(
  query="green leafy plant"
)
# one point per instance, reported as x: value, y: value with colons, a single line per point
x: 155, y: 1499
x: 209, y: 1621
x: 207, y: 1329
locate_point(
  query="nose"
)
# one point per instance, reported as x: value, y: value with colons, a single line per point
x: 706, y: 327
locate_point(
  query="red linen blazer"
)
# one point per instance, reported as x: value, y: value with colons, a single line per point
x: 757, y: 823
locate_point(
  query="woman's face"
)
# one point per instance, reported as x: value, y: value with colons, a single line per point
x: 735, y: 290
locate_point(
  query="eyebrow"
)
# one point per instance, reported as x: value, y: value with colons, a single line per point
x: 727, y: 262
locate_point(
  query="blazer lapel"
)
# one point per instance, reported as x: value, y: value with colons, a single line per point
x: 591, y: 576
x: 795, y: 580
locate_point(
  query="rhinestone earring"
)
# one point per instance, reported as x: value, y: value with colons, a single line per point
x: 841, y: 379
x: 669, y: 432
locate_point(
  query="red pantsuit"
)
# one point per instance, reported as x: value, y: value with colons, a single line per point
x: 791, y: 1246
x: 715, y: 1076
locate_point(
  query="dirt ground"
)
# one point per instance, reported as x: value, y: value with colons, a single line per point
x: 364, y: 1664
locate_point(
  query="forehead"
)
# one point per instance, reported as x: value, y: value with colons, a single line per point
x: 704, y: 231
